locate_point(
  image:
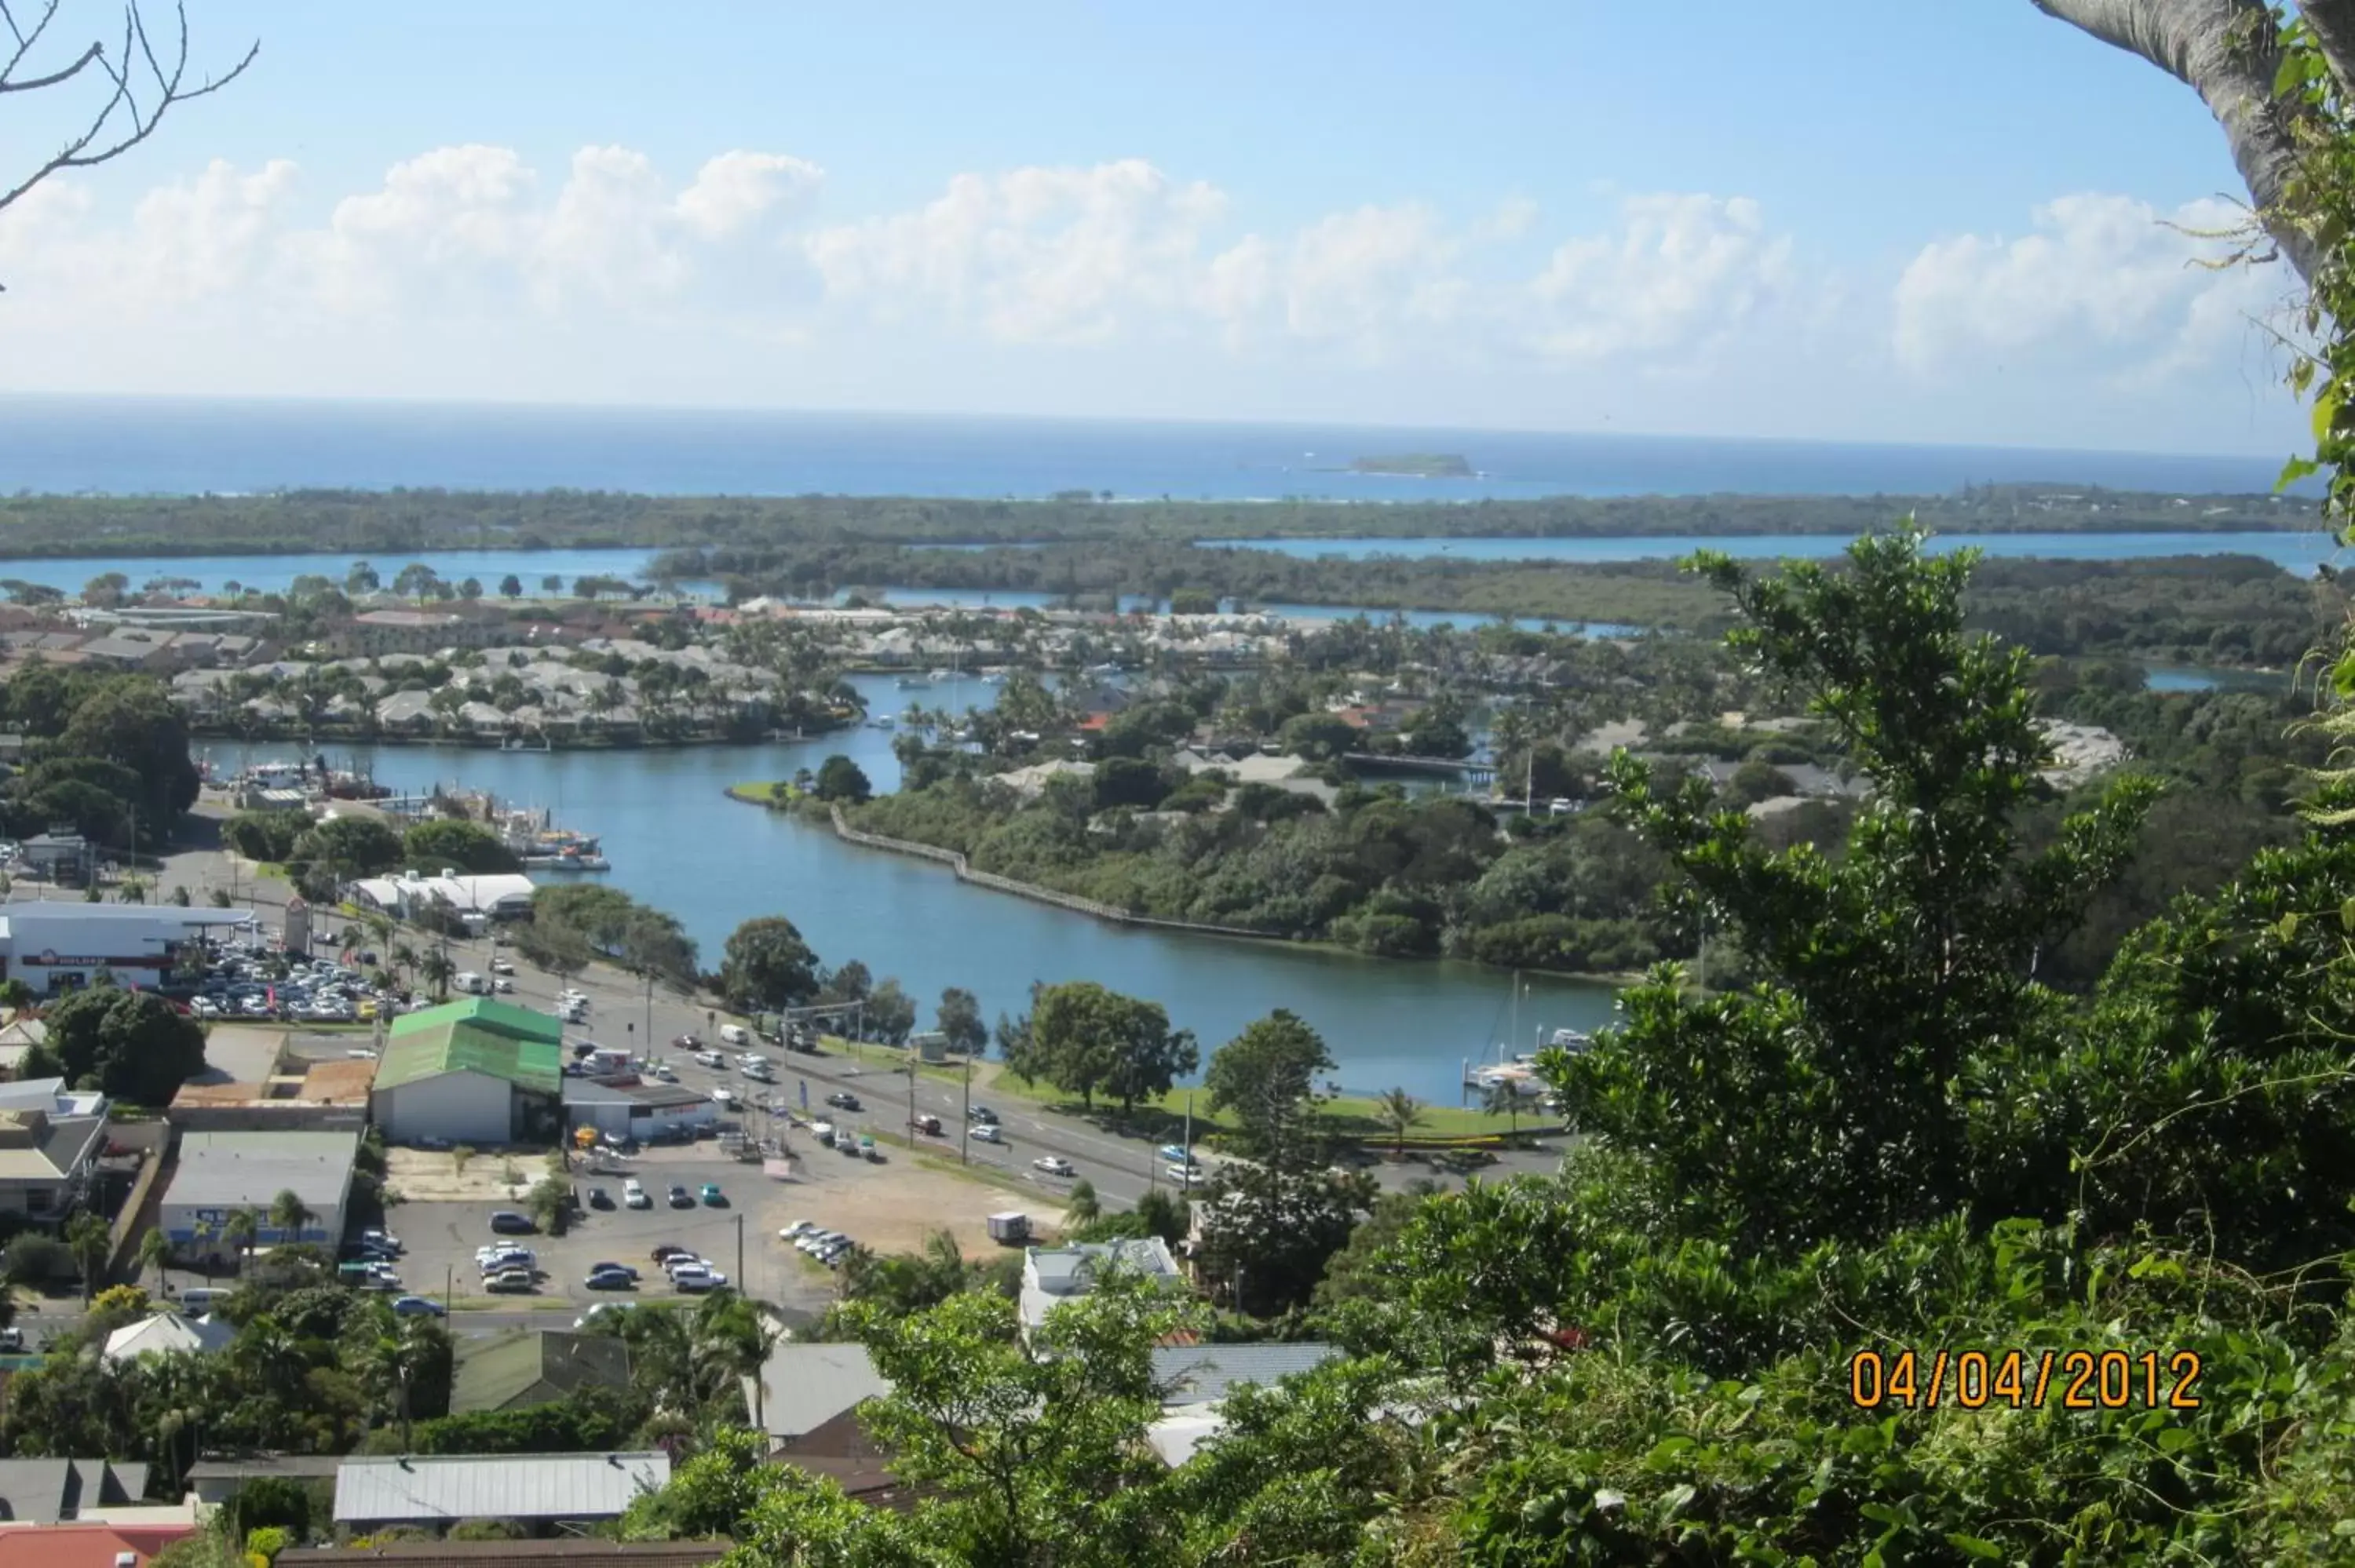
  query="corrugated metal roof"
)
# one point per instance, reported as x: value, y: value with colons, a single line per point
x: 805, y: 1385
x: 248, y: 1169
x: 484, y: 1012
x: 1201, y: 1374
x: 429, y: 1489
x: 467, y: 1553
x: 458, y: 1047
x: 531, y: 1366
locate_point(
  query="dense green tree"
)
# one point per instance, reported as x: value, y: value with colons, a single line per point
x: 340, y: 849
x: 134, y: 1046
x: 766, y: 965
x: 467, y: 847
x: 1088, y: 1041
x: 840, y: 778
x: 510, y: 586
x: 265, y: 835
x: 1268, y: 1076
x: 959, y: 1020
x: 890, y: 1013
x: 1319, y: 738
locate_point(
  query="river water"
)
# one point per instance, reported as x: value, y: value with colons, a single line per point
x: 676, y: 843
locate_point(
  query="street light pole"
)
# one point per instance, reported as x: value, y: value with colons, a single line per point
x: 965, y: 1132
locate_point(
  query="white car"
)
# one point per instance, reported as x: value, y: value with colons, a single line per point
x: 694, y: 1281
x: 502, y: 966
x: 724, y: 1097
x: 634, y: 1194
x: 502, y: 985
x: 798, y: 1229
x: 710, y: 1059
x: 984, y: 1132
x: 1053, y: 1165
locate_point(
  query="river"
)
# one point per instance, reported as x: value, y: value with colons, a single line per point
x: 678, y: 844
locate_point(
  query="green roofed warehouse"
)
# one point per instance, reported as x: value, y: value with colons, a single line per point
x: 479, y: 1072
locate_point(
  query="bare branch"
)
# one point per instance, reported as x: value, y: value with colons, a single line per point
x: 2226, y: 50
x: 122, y: 122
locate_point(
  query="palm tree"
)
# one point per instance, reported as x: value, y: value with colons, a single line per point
x: 437, y: 969
x: 205, y: 1234
x: 241, y: 1230
x: 1504, y: 1099
x: 1082, y: 1205
x: 1401, y: 1113
x: 155, y: 1252
x: 288, y: 1216
x: 88, y: 1237
x: 392, y: 1359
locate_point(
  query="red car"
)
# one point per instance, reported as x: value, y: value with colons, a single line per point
x: 666, y: 1252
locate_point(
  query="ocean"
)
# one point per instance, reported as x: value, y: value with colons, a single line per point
x: 184, y: 446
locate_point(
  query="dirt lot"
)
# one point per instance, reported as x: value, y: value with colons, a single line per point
x: 425, y: 1176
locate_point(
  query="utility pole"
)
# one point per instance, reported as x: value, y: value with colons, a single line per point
x: 965, y: 1132
x: 911, y: 1102
x: 739, y: 1250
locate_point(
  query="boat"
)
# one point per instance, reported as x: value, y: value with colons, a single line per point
x: 995, y: 678
x: 885, y: 722
x: 912, y: 682
x: 943, y: 675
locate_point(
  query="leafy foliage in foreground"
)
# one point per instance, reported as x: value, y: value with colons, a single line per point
x: 1893, y: 1137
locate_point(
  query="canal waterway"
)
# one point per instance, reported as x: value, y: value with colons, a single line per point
x: 678, y: 844
x: 2299, y: 551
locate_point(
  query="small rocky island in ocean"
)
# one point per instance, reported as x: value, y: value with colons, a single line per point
x: 1417, y: 465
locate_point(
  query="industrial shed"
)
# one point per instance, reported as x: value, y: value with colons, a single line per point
x: 536, y: 1488
x: 478, y: 1071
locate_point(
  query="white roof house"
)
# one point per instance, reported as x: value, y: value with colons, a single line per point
x: 166, y: 1334
x: 442, y: 1489
x: 222, y: 1172
x: 1052, y: 1275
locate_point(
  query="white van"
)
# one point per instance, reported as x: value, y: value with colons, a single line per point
x: 471, y: 984
x: 735, y: 1034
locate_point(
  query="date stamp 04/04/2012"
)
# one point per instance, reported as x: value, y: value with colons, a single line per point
x: 2024, y: 1379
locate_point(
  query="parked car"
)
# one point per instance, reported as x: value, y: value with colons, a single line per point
x: 798, y: 1229
x: 635, y: 1194
x: 418, y: 1306
x: 382, y: 1282
x: 607, y: 1265
x: 664, y: 1252
x: 1053, y: 1165
x: 495, y: 1263
x: 694, y: 1281
x: 724, y: 1097
x: 599, y: 1198
x: 384, y: 1239
x: 509, y: 1281
x: 709, y: 1059
x: 612, y: 1279
x: 680, y: 1198
x: 507, y: 1222
x: 712, y: 1194
x: 844, y: 1099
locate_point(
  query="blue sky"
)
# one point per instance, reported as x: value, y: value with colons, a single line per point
x: 1842, y: 220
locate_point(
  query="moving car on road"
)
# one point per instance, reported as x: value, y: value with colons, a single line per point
x: 986, y: 1132
x: 1053, y: 1165
x: 843, y: 1100
x: 1179, y: 1154
x: 983, y: 1115
x: 418, y: 1306
x: 507, y: 1222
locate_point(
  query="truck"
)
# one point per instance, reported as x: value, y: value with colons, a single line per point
x: 1009, y: 1229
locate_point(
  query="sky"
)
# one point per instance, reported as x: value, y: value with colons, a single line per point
x: 1846, y: 220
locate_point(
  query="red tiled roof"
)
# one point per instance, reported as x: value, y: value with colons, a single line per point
x: 85, y: 1545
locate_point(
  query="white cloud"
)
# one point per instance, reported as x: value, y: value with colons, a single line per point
x: 1055, y: 255
x: 1678, y: 272
x: 2106, y: 285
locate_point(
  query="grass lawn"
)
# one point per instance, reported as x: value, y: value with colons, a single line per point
x: 755, y: 794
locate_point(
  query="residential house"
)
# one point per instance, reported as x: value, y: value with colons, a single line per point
x: 50, y: 1141
x: 98, y: 1545
x: 166, y: 1334
x: 1052, y: 1275
x: 566, y: 1550
x: 218, y: 1481
x: 60, y: 855
x: 808, y: 1395
x: 1195, y: 1381
x: 46, y: 1491
x: 544, y: 1490
x: 534, y: 1366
